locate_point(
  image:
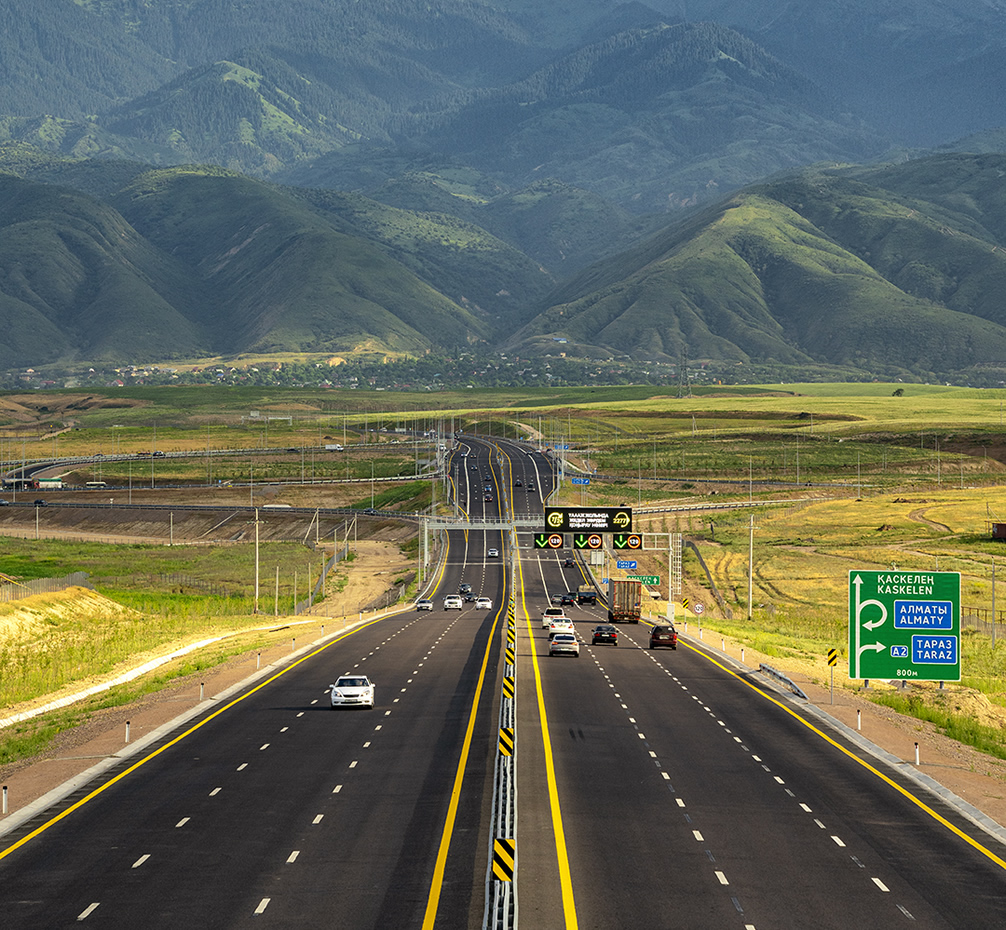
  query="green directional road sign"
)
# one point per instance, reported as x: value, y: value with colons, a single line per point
x: 905, y: 624
x: 645, y: 579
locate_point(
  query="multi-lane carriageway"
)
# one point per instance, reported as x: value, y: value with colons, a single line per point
x: 656, y: 790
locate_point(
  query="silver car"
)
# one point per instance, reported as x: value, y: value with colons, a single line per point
x: 564, y: 644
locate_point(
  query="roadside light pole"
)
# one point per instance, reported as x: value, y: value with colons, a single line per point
x: 256, y: 560
x: 751, y: 568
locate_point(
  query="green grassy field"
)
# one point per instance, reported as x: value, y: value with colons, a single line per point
x: 841, y: 476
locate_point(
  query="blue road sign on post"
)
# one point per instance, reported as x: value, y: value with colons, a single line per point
x: 628, y: 565
x: 580, y: 480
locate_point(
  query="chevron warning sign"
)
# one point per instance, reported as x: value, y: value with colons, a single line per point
x: 504, y: 855
x: 506, y: 741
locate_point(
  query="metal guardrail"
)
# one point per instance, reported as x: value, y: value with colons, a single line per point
x: 779, y: 676
x: 501, y: 871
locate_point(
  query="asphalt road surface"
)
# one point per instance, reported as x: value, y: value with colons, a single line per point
x: 656, y: 789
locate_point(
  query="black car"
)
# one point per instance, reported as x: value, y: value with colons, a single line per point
x: 586, y: 597
x: 517, y: 483
x: 464, y: 588
x: 568, y: 598
x: 530, y: 486
x: 568, y: 563
x: 41, y: 503
x: 663, y: 636
x: 605, y: 633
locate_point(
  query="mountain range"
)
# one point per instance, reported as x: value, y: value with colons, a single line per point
x: 724, y: 180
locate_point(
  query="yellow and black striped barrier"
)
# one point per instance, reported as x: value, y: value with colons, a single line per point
x: 504, y: 855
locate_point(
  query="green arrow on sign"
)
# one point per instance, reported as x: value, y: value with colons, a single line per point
x: 541, y: 540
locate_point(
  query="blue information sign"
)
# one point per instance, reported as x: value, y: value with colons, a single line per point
x: 628, y: 565
x: 580, y: 480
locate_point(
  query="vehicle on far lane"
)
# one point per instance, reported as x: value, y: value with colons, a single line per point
x: 564, y: 644
x: 424, y: 603
x: 493, y: 554
x: 568, y: 598
x: 549, y: 614
x: 352, y: 691
x: 483, y: 603
x: 604, y: 633
x: 663, y: 635
x: 560, y: 625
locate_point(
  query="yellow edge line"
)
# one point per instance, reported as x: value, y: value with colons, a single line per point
x: 433, y: 902
x: 112, y: 781
x: 866, y: 765
x: 562, y: 857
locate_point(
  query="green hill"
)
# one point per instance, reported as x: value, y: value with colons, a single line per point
x: 891, y: 269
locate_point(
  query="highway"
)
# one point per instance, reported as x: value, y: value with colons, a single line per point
x: 658, y: 789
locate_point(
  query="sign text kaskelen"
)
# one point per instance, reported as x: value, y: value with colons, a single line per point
x: 588, y: 519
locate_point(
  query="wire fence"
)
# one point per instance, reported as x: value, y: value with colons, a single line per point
x: 17, y: 590
x: 176, y: 582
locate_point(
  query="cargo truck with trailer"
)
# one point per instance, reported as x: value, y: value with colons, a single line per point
x: 624, y: 600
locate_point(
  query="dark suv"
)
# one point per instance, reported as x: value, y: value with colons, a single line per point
x: 663, y: 636
x: 568, y: 598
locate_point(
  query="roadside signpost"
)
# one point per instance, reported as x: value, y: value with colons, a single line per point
x: 905, y: 625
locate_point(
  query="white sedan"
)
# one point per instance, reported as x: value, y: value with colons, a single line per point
x: 353, y: 691
x: 453, y: 602
x: 483, y: 603
x: 564, y: 644
x: 493, y: 554
x: 560, y: 625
